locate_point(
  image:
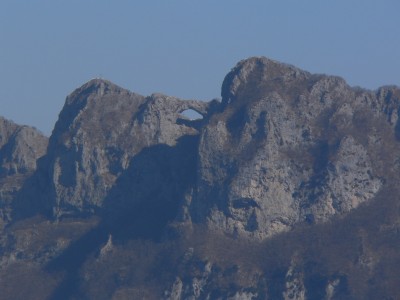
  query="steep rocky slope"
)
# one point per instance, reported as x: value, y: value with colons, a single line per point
x: 289, y: 146
x: 286, y: 189
x: 20, y: 147
x: 101, y: 128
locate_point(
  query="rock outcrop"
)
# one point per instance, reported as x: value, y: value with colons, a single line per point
x: 290, y: 147
x: 100, y: 129
x: 20, y: 148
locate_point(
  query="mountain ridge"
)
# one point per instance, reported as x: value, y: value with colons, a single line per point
x: 285, y: 157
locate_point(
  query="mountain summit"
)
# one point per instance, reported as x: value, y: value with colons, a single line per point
x: 285, y: 189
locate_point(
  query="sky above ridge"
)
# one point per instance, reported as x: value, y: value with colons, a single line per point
x: 182, y: 48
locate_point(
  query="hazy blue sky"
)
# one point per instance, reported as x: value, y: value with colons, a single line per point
x: 182, y: 48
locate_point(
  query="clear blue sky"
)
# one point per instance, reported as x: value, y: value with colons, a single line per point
x: 182, y: 48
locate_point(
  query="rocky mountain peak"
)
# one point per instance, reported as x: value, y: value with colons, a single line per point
x: 255, y: 75
x: 7, y: 128
x: 96, y: 86
x: 100, y: 129
x: 20, y: 149
x: 93, y: 95
x: 282, y: 150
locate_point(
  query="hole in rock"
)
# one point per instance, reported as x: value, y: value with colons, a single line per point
x: 191, y: 114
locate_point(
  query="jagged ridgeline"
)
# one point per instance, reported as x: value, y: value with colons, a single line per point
x: 287, y: 188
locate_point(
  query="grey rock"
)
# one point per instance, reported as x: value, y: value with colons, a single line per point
x: 20, y: 148
x: 99, y: 130
x: 176, y: 290
x: 202, y: 285
x: 330, y: 288
x: 242, y: 295
x: 289, y: 147
x: 294, y: 283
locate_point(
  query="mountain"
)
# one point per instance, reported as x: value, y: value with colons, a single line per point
x: 287, y: 188
x: 290, y: 147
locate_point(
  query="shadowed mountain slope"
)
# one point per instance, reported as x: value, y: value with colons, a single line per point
x: 20, y: 147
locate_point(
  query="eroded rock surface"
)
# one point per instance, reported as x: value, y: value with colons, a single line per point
x: 99, y: 130
x: 20, y: 148
x: 289, y: 147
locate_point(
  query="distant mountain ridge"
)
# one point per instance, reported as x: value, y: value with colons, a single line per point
x: 282, y: 151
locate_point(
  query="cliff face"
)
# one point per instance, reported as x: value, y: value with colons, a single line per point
x: 237, y: 205
x: 291, y: 147
x: 101, y: 128
x: 20, y: 147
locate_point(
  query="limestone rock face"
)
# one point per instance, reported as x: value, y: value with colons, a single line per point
x: 20, y: 148
x: 99, y: 130
x: 289, y: 147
